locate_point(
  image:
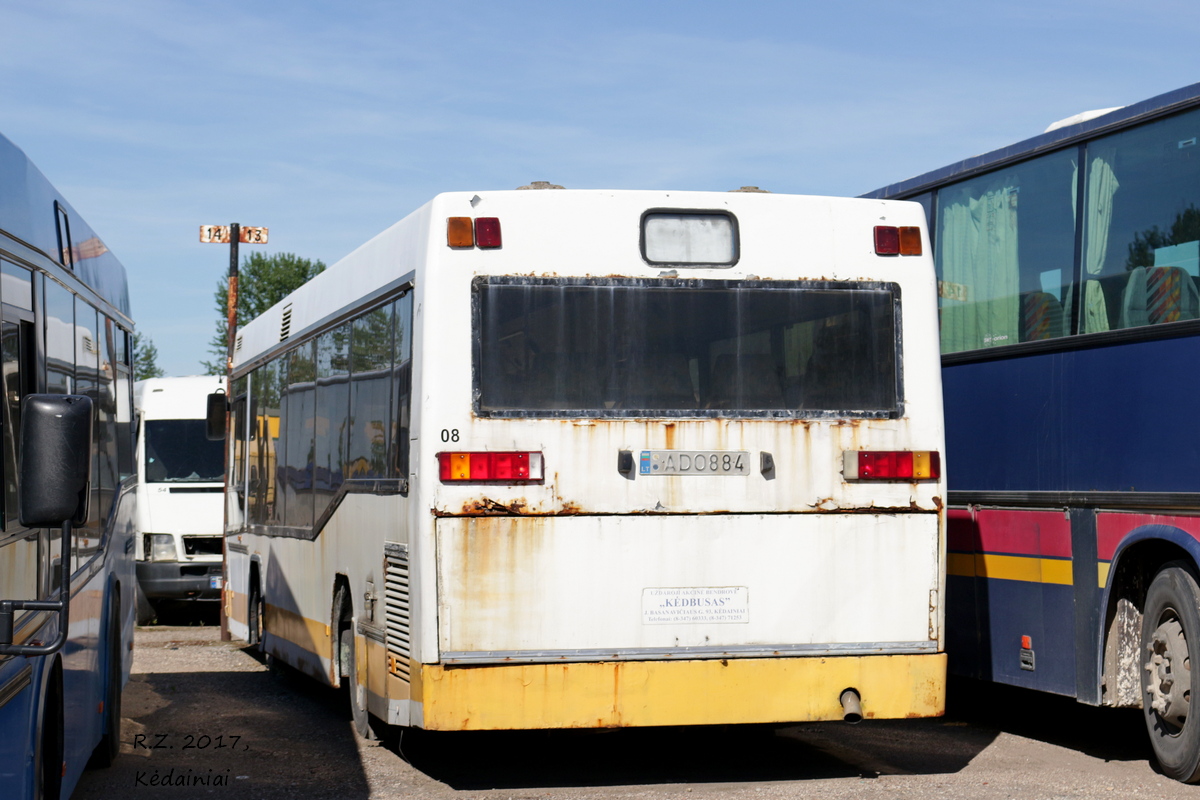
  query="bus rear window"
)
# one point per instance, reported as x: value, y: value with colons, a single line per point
x: 633, y: 348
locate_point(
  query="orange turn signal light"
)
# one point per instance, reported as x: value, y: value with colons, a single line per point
x: 910, y: 241
x: 460, y: 232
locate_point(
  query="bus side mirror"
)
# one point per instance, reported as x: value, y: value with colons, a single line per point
x: 56, y: 459
x: 218, y: 408
x: 55, y: 446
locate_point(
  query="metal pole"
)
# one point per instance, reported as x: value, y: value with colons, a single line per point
x: 235, y: 233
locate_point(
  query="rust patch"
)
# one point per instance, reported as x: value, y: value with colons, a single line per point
x: 937, y: 503
x: 486, y: 507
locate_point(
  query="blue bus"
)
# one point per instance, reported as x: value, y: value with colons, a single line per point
x: 1069, y: 301
x: 66, y: 593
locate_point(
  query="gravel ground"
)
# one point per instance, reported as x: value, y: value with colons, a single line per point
x: 211, y: 713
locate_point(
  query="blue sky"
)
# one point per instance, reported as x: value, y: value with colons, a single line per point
x: 328, y: 121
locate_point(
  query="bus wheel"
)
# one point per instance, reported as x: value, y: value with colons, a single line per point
x: 1171, y: 621
x: 358, y: 693
x: 48, y: 766
x: 110, y: 743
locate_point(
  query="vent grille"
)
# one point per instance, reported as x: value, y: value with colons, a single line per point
x: 399, y: 612
x: 237, y: 348
x: 285, y: 329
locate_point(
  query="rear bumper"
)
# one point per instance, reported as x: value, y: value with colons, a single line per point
x: 180, y: 580
x: 645, y: 693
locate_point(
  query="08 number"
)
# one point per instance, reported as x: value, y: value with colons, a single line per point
x: 449, y: 434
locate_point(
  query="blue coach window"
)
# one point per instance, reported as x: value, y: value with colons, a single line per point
x: 1005, y: 254
x: 1142, y: 227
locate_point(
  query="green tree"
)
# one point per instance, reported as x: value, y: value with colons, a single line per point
x: 262, y: 282
x: 145, y: 359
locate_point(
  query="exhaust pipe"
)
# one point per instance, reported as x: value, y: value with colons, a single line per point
x: 851, y: 708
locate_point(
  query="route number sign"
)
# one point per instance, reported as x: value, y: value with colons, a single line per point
x: 219, y: 234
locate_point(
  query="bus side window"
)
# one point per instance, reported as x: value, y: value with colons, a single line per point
x: 126, y: 427
x: 27, y: 577
x: 262, y: 448
x: 89, y: 382
x: 402, y: 391
x: 238, y: 437
x: 11, y: 350
x: 371, y: 361
x: 107, y: 470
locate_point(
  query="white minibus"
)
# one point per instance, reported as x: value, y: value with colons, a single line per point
x: 180, y: 479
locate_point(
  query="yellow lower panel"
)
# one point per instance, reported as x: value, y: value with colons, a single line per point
x: 1012, y: 568
x: 307, y: 634
x: 1024, y: 568
x: 641, y: 693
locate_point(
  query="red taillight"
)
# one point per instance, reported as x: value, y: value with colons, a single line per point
x: 892, y: 241
x: 891, y: 465
x: 887, y: 241
x: 487, y: 232
x: 503, y: 467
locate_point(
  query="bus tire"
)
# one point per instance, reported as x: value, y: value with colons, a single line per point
x: 1170, y: 630
x: 110, y: 742
x: 358, y: 693
x: 48, y: 761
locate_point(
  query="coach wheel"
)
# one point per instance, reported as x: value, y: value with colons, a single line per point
x: 110, y: 744
x: 49, y: 766
x: 358, y: 693
x: 1170, y: 631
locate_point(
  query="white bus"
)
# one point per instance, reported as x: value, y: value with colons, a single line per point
x: 181, y: 476
x: 570, y: 459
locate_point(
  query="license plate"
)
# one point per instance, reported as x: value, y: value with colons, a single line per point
x: 695, y: 462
